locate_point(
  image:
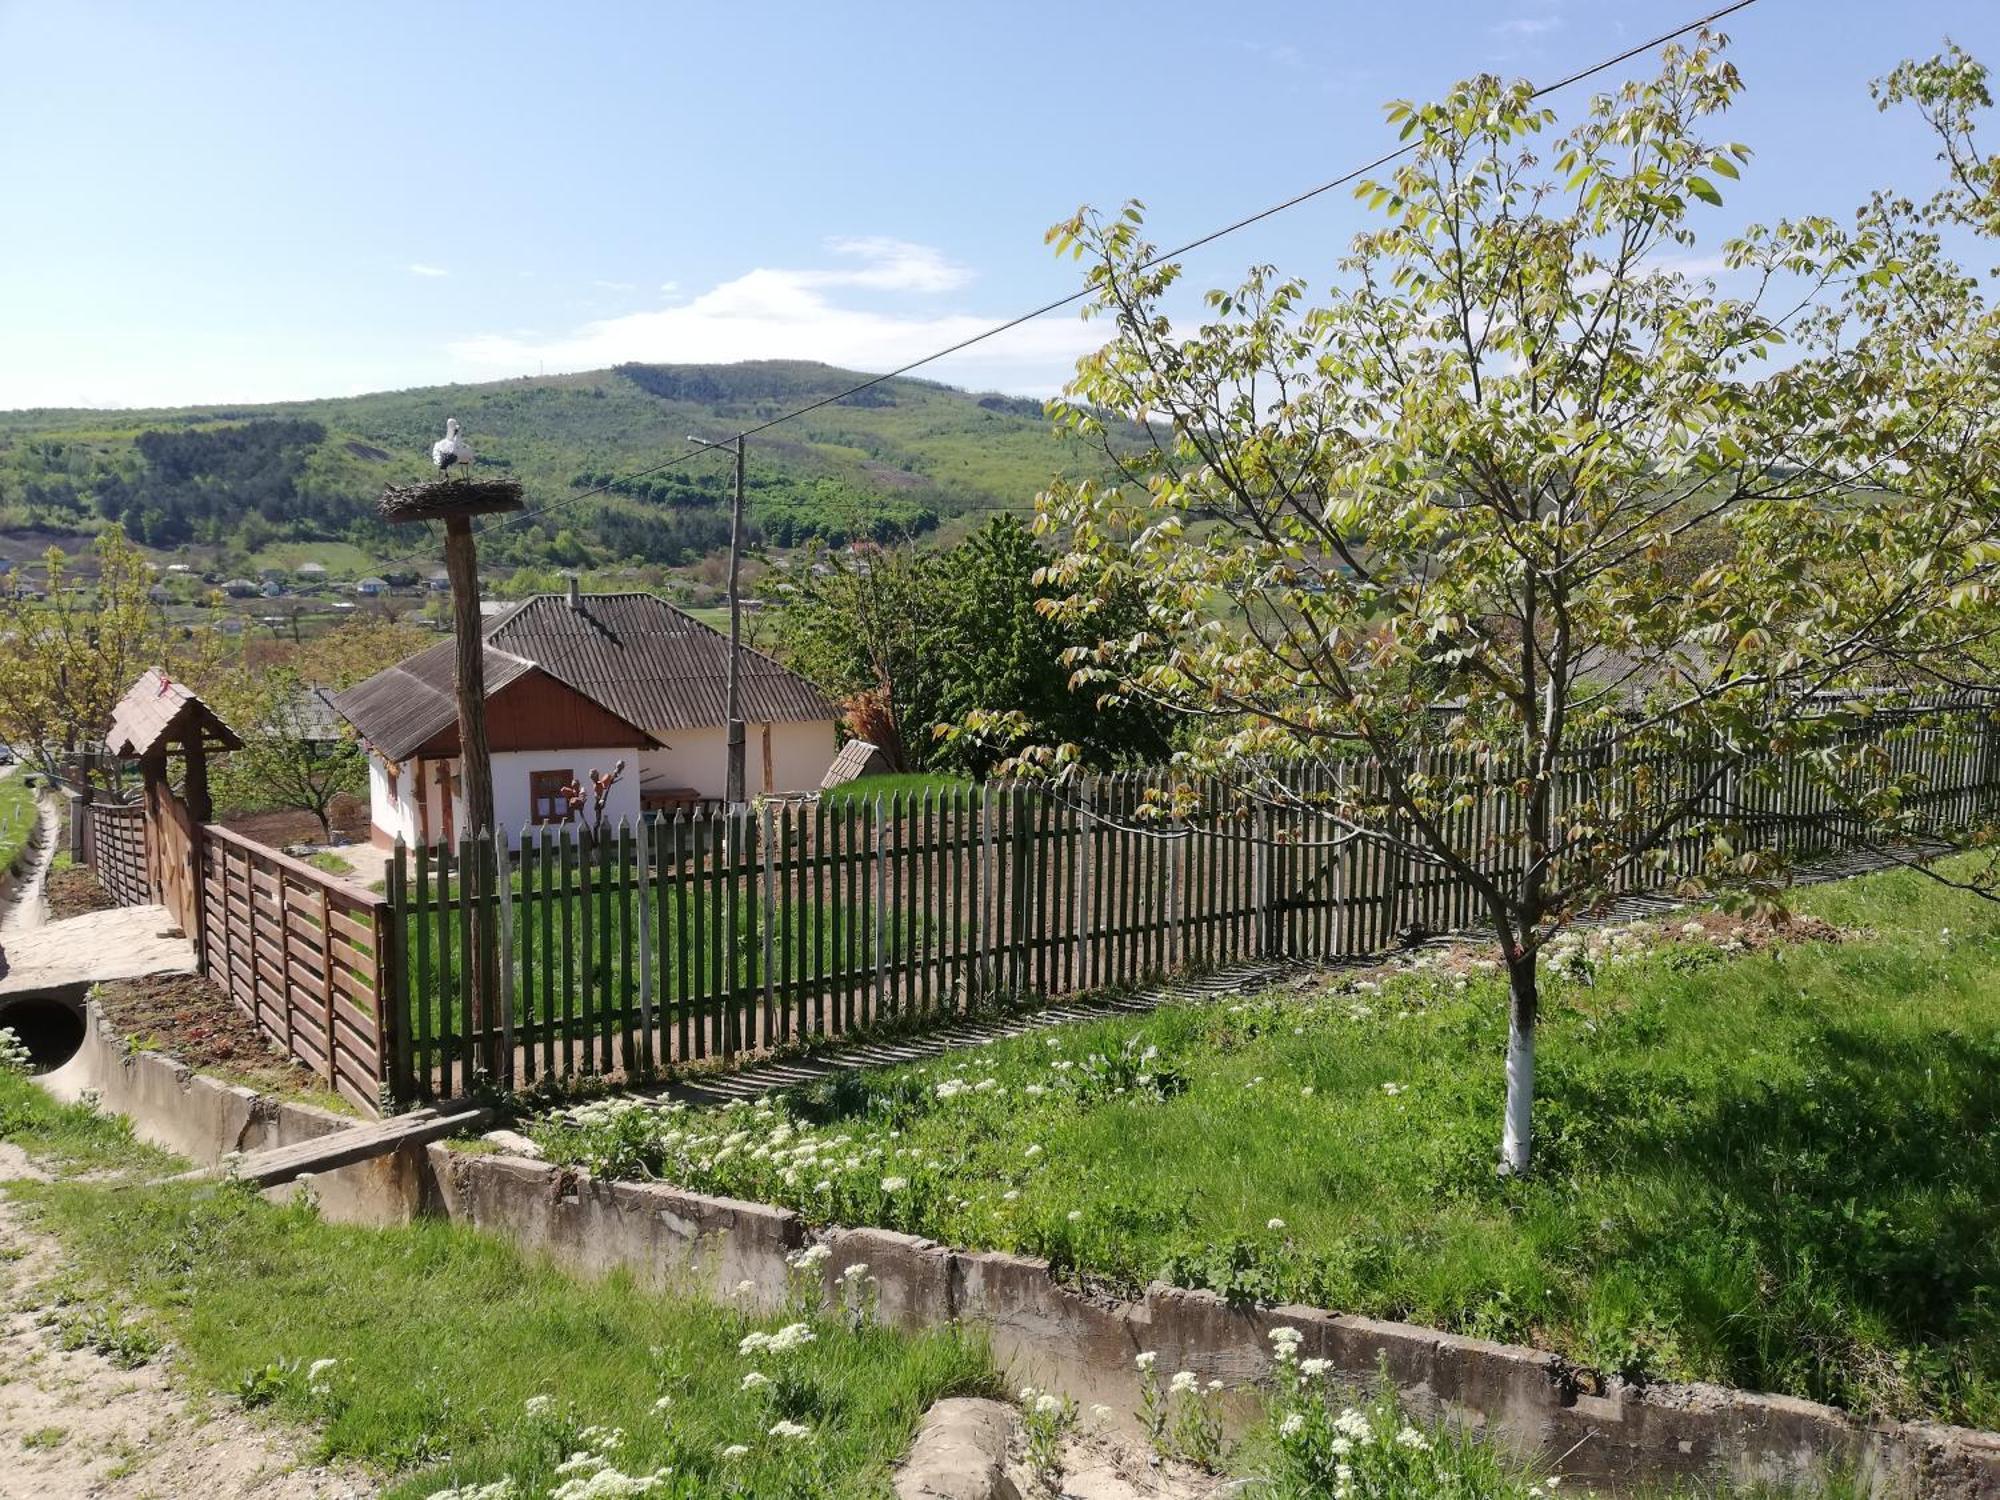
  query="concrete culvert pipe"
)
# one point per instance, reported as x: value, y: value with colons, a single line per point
x: 49, y: 1024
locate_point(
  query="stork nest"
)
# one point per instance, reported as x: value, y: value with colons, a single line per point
x: 436, y: 499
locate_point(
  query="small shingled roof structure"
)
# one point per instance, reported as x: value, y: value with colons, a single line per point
x: 156, y: 711
x: 633, y: 655
x: 857, y: 758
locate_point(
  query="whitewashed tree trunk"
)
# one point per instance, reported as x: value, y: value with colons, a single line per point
x: 1516, y: 1139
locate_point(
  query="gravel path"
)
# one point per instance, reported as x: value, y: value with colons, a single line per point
x: 74, y: 1426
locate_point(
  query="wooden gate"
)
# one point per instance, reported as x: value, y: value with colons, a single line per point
x: 173, y: 839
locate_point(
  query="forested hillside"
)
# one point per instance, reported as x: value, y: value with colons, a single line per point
x: 905, y: 457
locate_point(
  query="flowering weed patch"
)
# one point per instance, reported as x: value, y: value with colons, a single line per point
x: 1767, y: 1164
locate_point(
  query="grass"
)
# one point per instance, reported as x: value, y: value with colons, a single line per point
x: 18, y: 812
x: 1778, y: 1170
x: 441, y: 1335
x: 330, y: 862
x: 908, y: 783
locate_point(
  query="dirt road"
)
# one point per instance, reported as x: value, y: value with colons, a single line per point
x: 75, y: 1426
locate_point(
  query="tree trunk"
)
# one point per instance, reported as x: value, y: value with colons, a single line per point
x: 1515, y: 1138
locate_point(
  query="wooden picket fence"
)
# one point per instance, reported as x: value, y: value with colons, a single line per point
x: 636, y: 948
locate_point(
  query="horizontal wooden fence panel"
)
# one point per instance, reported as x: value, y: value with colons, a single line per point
x: 117, y: 849
x: 628, y: 949
x: 307, y: 956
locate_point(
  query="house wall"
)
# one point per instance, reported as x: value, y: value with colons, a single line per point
x: 699, y: 758
x: 397, y: 817
x: 513, y: 770
x: 390, y: 817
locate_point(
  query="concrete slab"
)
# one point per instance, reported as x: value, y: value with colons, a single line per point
x: 127, y: 943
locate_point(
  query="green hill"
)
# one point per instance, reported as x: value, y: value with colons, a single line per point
x: 263, y: 482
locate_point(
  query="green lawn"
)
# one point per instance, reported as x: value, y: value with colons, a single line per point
x: 909, y: 784
x: 442, y: 1338
x: 1779, y: 1170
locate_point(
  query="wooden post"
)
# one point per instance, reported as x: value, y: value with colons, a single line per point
x: 476, y: 777
x: 201, y: 812
x: 469, y: 676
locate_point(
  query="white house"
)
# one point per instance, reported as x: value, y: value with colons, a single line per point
x: 575, y: 684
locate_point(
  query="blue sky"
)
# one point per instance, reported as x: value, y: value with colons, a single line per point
x: 234, y: 202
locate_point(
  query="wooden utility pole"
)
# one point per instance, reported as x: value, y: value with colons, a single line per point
x: 456, y: 502
x: 732, y: 792
x: 733, y: 789
x: 461, y: 562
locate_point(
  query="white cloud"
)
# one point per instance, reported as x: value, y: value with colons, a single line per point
x: 418, y: 268
x: 798, y: 313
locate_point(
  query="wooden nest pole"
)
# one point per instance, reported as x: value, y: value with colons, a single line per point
x: 456, y: 502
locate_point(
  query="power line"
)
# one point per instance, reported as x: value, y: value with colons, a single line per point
x: 1072, y: 298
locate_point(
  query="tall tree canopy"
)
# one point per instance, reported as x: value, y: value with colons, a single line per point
x: 1527, y: 461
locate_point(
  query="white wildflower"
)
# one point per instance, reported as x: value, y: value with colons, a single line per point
x: 755, y: 1380
x: 1184, y: 1383
x: 894, y: 1184
x: 734, y: 1451
x: 1147, y: 1360
x: 539, y: 1406
x: 794, y: 1431
x: 1292, y: 1426
x: 1274, y: 1225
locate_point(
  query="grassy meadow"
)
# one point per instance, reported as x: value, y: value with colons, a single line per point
x: 438, y: 1356
x: 1777, y: 1169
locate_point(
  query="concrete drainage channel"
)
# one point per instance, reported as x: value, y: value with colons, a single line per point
x: 1041, y: 1330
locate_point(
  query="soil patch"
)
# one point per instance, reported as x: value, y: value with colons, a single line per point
x: 74, y: 891
x: 189, y: 1019
x: 280, y: 827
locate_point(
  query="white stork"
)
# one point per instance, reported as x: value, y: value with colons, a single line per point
x: 451, y: 451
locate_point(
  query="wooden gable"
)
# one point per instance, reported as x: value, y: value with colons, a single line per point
x: 537, y: 712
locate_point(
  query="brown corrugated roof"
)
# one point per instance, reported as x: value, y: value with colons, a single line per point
x: 649, y: 662
x: 633, y: 654
x: 156, y: 709
x: 402, y: 706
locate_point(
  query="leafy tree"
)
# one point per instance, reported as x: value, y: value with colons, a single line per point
x: 863, y: 624
x: 917, y: 640
x: 1007, y: 653
x: 1473, y: 475
x: 69, y: 656
x: 293, y: 755
x: 296, y: 753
